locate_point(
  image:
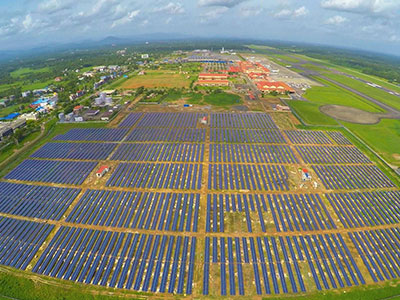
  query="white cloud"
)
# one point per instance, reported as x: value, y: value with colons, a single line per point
x: 394, y: 38
x: 171, y: 8
x: 283, y: 13
x: 129, y: 17
x: 251, y: 11
x: 288, y: 13
x: 223, y: 3
x: 144, y: 23
x: 361, y: 6
x: 335, y: 20
x: 212, y: 15
x: 301, y: 11
x: 54, y: 6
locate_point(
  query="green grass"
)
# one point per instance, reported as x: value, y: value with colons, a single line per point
x: 313, y: 67
x: 23, y: 72
x: 332, y: 94
x: 310, y: 113
x: 222, y: 99
x: 372, y: 292
x: 16, y: 285
x: 378, y: 94
x: 173, y: 96
x: 194, y: 98
x: 286, y: 58
x: 383, y: 137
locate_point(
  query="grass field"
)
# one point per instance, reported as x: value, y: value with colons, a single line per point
x: 156, y: 79
x: 25, y: 86
x: 383, y: 137
x: 194, y: 98
x: 222, y: 99
x: 332, y: 94
x: 15, y: 286
x: 23, y: 72
x: 310, y: 113
x: 378, y: 94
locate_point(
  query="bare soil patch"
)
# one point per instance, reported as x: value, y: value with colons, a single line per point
x: 351, y: 114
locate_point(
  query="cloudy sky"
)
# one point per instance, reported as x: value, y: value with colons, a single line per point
x: 365, y: 24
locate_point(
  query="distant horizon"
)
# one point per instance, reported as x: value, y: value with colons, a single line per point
x: 130, y: 41
x: 372, y: 25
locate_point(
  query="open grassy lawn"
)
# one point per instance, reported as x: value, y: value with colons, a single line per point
x: 313, y: 67
x: 332, y: 94
x: 194, y: 98
x: 156, y: 79
x: 378, y: 94
x: 173, y: 96
x: 23, y: 72
x: 16, y: 286
x: 383, y: 137
x: 222, y: 99
x: 25, y: 86
x: 286, y: 58
x: 310, y: 113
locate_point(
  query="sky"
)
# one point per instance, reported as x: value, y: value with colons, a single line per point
x: 364, y: 24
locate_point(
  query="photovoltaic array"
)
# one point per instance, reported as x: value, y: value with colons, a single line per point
x: 204, y: 209
x: 67, y: 172
x: 35, y: 201
x: 89, y: 151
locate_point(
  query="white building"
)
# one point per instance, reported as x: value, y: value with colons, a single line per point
x: 103, y: 100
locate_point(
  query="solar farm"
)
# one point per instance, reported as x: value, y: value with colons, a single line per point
x: 215, y: 209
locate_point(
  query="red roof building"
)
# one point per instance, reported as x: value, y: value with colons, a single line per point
x: 277, y: 86
x: 103, y: 170
x: 233, y: 69
x: 213, y: 82
x: 212, y: 76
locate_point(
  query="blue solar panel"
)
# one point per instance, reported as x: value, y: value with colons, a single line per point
x: 67, y: 172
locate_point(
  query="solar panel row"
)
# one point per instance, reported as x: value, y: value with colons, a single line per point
x: 243, y: 120
x: 20, y: 240
x: 93, y: 134
x: 158, y: 263
x: 151, y: 211
x: 307, y: 137
x: 92, y: 151
x: 167, y: 135
x: 332, y: 155
x: 366, y: 208
x: 251, y: 153
x: 352, y: 177
x: 43, y: 202
x: 247, y: 177
x: 328, y: 258
x: 225, y: 135
x: 160, y: 152
x: 170, y: 120
x: 157, y: 175
x: 379, y: 251
x: 67, y: 172
x: 131, y: 120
